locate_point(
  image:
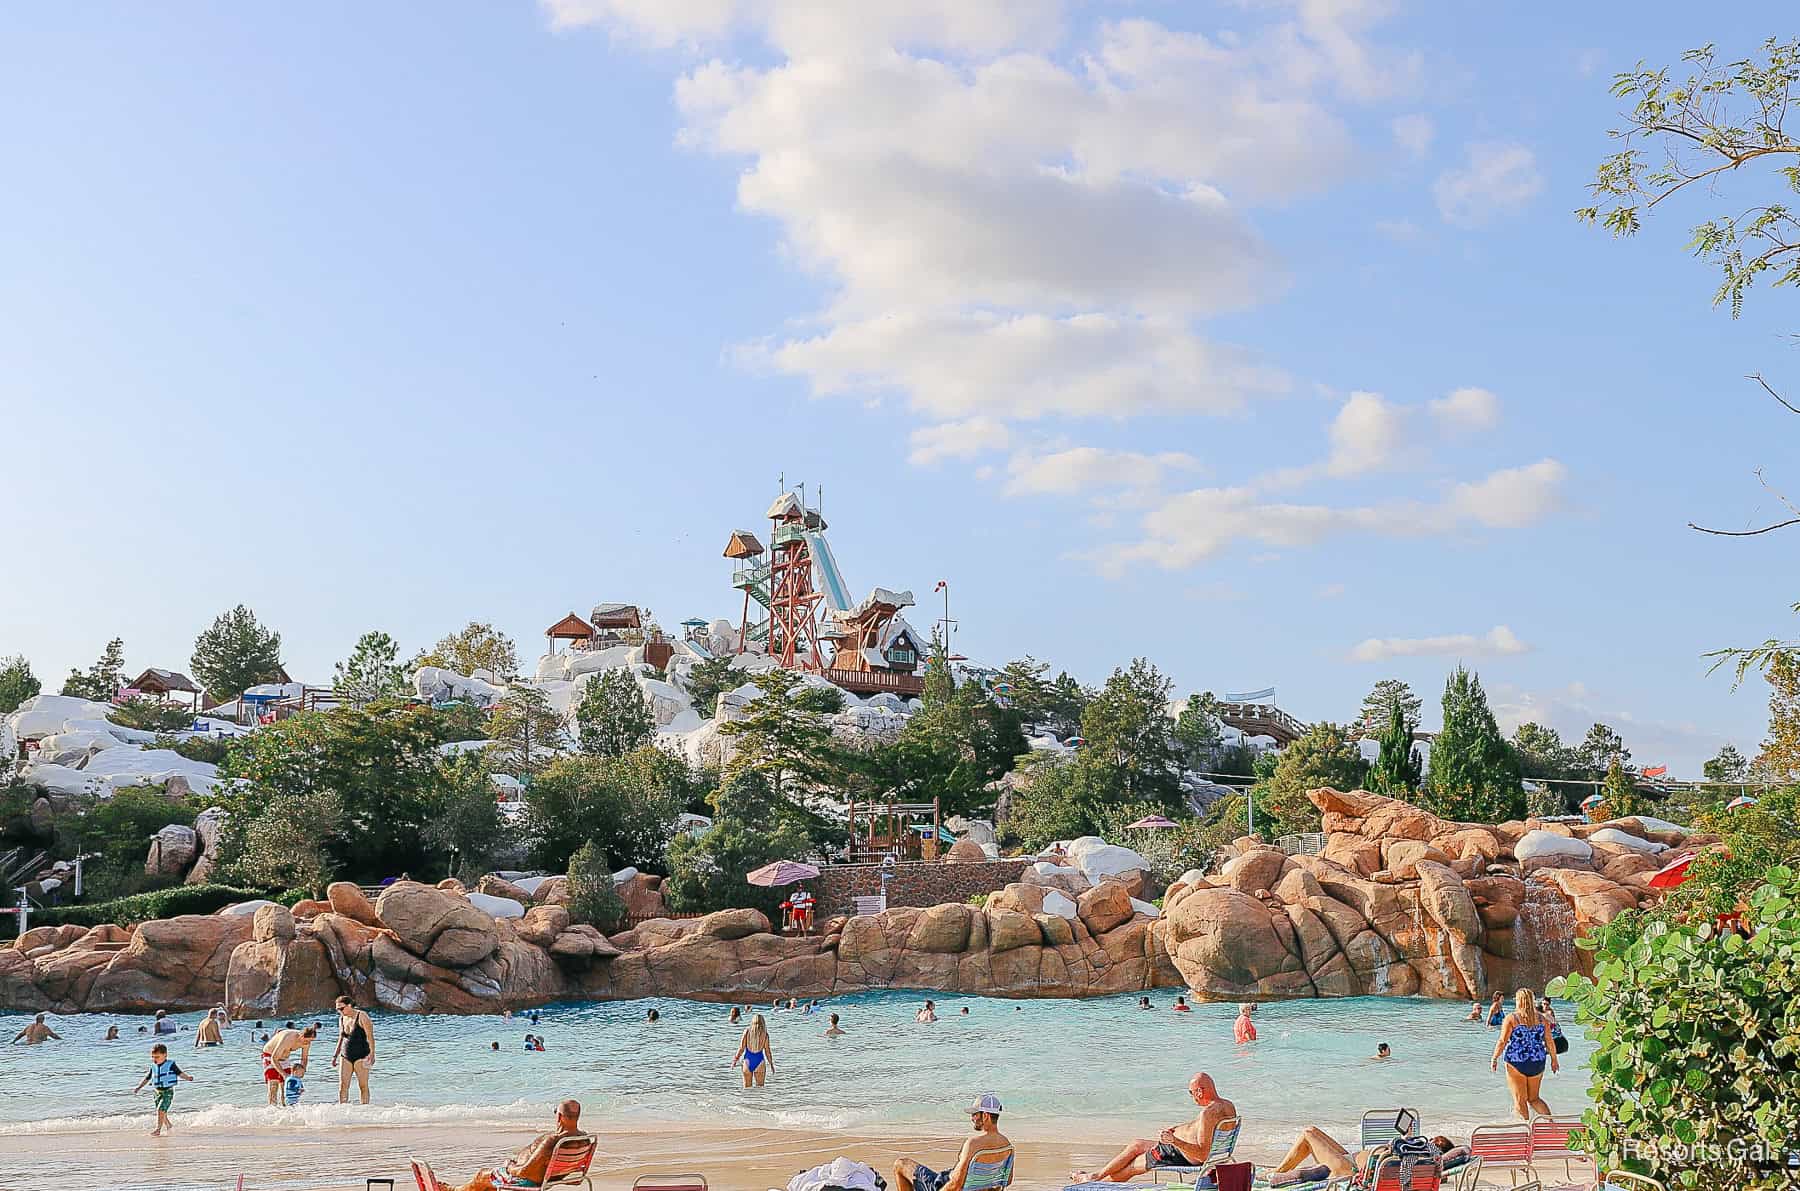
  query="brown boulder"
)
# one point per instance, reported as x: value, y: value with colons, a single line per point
x: 1226, y: 943
x: 1353, y: 804
x: 1361, y: 856
x: 452, y: 885
x: 733, y: 924
x: 1105, y: 906
x: 580, y: 947
x: 1296, y: 885
x: 310, y: 908
x: 171, y: 963
x: 551, y: 891
x: 1255, y: 870
x: 436, y: 925
x: 1008, y: 929
x: 1470, y: 841
x: 1057, y: 930
x: 942, y: 930
x: 643, y: 897
x: 965, y: 851
x: 541, y: 925
x: 1401, y: 820
x: 1026, y: 899
x: 352, y: 903
x: 1401, y: 857
x: 272, y: 924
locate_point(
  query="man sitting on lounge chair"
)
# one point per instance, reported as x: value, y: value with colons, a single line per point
x: 1317, y: 1156
x: 987, y: 1142
x: 1183, y: 1145
x: 526, y: 1166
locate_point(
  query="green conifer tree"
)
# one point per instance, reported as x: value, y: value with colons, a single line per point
x: 1474, y: 774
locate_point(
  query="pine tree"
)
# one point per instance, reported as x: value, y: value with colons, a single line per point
x: 781, y: 738
x: 1727, y: 765
x: 1620, y: 793
x: 371, y: 671
x: 1327, y: 755
x: 103, y: 679
x: 527, y: 729
x: 1599, y: 749
x: 1397, y: 770
x: 17, y: 683
x: 709, y: 679
x: 1474, y: 775
x: 612, y: 718
x: 1379, y: 703
x: 235, y: 654
x: 1131, y: 753
x: 939, y: 684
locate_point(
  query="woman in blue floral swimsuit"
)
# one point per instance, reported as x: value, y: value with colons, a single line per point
x: 1522, y: 1045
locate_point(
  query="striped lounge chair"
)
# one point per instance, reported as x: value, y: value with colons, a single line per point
x: 1553, y: 1140
x: 1504, y: 1147
x: 568, y: 1167
x: 1224, y: 1143
x: 1378, y: 1126
x: 989, y: 1170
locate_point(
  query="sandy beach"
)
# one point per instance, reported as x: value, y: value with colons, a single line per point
x: 343, y: 1158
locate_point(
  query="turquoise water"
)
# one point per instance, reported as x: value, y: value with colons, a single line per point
x: 1104, y: 1064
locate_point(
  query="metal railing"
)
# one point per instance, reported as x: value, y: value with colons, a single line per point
x: 1309, y: 843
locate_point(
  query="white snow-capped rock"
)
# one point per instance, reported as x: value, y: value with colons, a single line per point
x: 435, y: 684
x: 1654, y: 824
x: 532, y: 884
x: 1546, y: 845
x: 496, y: 907
x: 1139, y: 907
x: 245, y: 909
x: 625, y: 874
x: 1624, y: 839
x: 1098, y: 859
x: 46, y: 715
x: 1059, y: 903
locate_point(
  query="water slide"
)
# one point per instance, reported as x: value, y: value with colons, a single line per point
x: 825, y: 568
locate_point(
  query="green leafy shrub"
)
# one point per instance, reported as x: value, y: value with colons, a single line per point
x: 163, y: 903
x: 1695, y: 1072
x: 751, y: 827
x: 210, y: 749
x: 150, y: 715
x: 119, y: 829
x: 593, y: 898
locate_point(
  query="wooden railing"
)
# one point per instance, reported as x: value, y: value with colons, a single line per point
x: 878, y: 680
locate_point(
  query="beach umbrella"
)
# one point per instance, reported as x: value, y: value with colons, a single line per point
x: 1150, y: 823
x: 1741, y: 801
x: 1592, y: 801
x: 1075, y: 742
x: 1676, y: 871
x: 781, y: 872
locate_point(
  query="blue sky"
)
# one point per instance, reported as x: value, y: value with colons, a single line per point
x: 1256, y: 338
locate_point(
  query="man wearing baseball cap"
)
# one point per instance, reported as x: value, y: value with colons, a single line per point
x: 987, y: 1146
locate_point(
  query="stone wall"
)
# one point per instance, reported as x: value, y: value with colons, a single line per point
x: 915, y: 883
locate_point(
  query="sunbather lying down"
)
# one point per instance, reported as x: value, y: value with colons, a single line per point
x: 1317, y: 1155
x: 1184, y: 1145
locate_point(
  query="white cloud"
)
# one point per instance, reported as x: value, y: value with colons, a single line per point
x: 1497, y: 178
x: 1366, y: 435
x: 955, y: 365
x: 1330, y: 591
x: 1089, y: 469
x: 1015, y: 221
x: 1413, y: 133
x: 1466, y: 411
x: 1509, y: 499
x: 1497, y: 641
x: 958, y: 440
x: 1194, y: 526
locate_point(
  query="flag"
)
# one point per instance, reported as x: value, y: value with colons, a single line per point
x: 1249, y: 696
x: 1657, y: 771
x: 941, y: 584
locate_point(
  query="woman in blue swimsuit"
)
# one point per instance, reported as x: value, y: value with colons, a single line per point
x: 756, y: 1052
x: 1522, y: 1045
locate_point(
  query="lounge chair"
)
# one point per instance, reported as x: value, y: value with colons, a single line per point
x: 570, y: 1158
x: 1224, y: 1142
x: 1378, y: 1126
x: 1467, y: 1174
x: 989, y: 1170
x: 1503, y: 1147
x: 1427, y: 1175
x: 1553, y: 1140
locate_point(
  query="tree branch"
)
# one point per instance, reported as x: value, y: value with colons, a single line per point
x: 1786, y: 404
x: 1745, y: 533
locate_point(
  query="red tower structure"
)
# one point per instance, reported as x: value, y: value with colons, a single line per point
x: 793, y: 600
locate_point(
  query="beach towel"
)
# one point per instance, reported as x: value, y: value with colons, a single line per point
x: 1234, y: 1176
x: 840, y: 1174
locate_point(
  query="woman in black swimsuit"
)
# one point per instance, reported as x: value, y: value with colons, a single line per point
x: 356, y: 1049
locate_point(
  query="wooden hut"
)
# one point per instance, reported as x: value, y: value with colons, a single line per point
x: 164, y: 684
x: 570, y: 628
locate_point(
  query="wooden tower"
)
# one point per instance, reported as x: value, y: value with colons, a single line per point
x: 793, y: 600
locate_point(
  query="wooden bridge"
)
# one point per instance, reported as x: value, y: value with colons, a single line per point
x: 1262, y: 719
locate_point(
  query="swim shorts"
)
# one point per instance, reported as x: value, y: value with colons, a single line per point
x: 1527, y: 1067
x: 269, y: 1071
x: 927, y: 1179
x: 165, y: 1099
x: 1166, y: 1155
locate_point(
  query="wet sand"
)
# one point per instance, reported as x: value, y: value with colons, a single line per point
x: 343, y: 1158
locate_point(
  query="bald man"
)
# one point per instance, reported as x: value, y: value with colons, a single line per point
x: 1183, y: 1145
x: 528, y: 1163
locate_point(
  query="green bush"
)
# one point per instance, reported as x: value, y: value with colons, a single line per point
x: 164, y: 903
x: 210, y: 749
x: 150, y: 715
x: 593, y: 898
x: 1696, y: 1032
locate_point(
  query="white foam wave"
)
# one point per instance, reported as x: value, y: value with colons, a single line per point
x: 237, y: 1117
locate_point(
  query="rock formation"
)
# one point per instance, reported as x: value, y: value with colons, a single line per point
x: 1398, y: 902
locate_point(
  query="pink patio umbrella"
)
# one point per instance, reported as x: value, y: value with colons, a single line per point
x: 1741, y: 801
x: 781, y: 872
x: 1150, y: 823
x: 1675, y: 873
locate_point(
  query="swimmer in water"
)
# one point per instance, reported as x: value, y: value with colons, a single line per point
x: 1244, y: 1030
x: 36, y: 1032
x: 755, y: 1052
x: 1181, y: 1005
x: 737, y: 1015
x: 834, y: 1031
